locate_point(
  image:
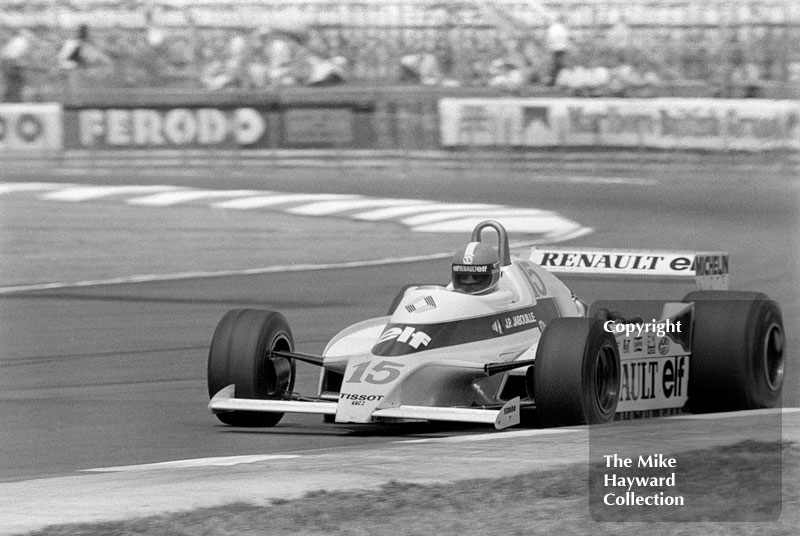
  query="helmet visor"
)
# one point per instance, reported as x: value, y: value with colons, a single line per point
x: 472, y: 279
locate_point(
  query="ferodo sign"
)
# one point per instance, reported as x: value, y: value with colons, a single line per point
x: 152, y: 128
x: 30, y: 127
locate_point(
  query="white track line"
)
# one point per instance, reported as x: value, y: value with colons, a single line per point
x: 85, y: 193
x: 153, y: 278
x: 493, y: 213
x: 12, y: 187
x: 418, y: 215
x: 605, y: 180
x: 552, y: 228
x: 174, y: 198
x: 429, y: 206
x: 494, y: 436
x: 219, y: 461
x: 511, y: 434
x: 333, y: 207
x: 260, y: 201
x: 734, y: 414
x: 560, y: 236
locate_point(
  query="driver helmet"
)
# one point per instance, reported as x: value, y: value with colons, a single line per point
x: 475, y: 269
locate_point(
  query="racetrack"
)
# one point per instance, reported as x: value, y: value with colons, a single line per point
x: 113, y: 374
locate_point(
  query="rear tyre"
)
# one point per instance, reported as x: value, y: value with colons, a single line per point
x: 576, y: 375
x: 240, y: 354
x: 737, y: 359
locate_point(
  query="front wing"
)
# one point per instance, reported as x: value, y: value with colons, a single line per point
x: 507, y: 415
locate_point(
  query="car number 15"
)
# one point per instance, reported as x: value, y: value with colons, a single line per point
x: 382, y: 372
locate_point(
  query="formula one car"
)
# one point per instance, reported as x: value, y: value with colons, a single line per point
x: 505, y: 335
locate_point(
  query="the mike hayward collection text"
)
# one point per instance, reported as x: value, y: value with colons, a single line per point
x: 624, y: 490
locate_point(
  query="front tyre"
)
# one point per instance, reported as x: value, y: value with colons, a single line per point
x: 240, y: 354
x: 576, y: 375
x: 737, y: 359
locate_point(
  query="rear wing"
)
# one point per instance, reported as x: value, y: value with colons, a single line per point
x: 710, y: 270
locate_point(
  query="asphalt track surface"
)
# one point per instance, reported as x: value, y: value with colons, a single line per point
x: 112, y: 375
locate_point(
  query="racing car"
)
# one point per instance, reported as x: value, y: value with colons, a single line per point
x: 506, y: 335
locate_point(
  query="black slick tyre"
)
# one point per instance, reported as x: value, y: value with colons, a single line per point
x: 240, y: 355
x: 576, y: 375
x: 737, y: 359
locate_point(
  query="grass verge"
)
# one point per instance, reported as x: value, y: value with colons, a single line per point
x: 547, y: 502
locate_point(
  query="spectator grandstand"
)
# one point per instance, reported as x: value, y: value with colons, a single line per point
x: 617, y: 47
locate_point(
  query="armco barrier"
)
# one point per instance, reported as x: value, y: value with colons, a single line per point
x: 392, y: 120
x: 326, y: 126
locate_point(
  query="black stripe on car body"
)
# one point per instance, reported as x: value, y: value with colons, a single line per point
x: 403, y: 339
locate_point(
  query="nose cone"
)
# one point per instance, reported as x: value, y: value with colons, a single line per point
x: 367, y: 383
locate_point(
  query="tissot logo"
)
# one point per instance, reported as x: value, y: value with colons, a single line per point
x: 408, y: 335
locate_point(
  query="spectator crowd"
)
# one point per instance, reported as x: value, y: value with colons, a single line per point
x: 614, y: 59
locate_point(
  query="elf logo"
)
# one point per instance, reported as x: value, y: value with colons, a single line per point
x: 407, y: 335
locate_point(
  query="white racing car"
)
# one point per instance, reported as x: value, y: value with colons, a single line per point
x: 508, y: 334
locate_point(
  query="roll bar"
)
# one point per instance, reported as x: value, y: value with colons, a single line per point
x: 502, y: 239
